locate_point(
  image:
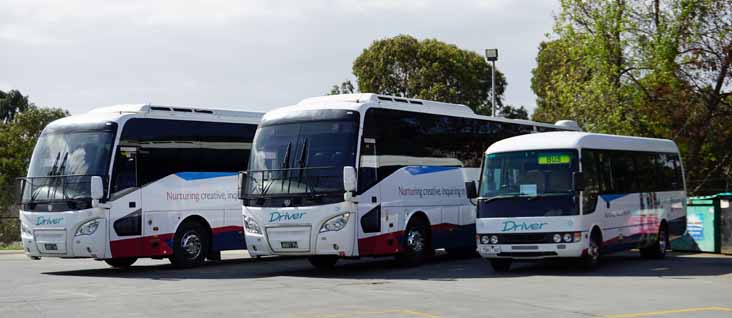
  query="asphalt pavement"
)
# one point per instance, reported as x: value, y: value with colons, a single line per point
x: 624, y: 286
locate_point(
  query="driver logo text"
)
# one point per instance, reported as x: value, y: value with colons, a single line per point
x: 284, y: 216
x: 510, y: 226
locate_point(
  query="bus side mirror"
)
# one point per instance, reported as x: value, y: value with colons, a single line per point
x: 97, y: 188
x: 471, y: 190
x: 578, y: 180
x: 349, y: 178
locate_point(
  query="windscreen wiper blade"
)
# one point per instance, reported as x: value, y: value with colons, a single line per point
x: 500, y: 197
x: 55, y: 163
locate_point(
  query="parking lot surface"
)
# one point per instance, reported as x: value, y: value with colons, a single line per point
x: 624, y: 286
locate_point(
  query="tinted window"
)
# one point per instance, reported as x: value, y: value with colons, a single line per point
x: 165, y: 147
x: 617, y: 172
x: 410, y: 138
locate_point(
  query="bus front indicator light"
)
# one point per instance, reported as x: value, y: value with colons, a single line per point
x: 577, y: 236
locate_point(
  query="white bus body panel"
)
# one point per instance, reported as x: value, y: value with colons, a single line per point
x: 164, y: 205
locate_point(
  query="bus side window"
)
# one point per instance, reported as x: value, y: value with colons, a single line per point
x: 592, y: 182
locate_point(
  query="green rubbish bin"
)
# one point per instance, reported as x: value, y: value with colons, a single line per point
x: 708, y: 225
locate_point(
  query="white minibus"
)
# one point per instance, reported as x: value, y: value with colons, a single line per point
x: 580, y: 195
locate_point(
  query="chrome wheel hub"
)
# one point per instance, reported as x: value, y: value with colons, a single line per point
x: 415, y: 241
x: 662, y: 241
x: 191, y: 243
x: 593, y: 250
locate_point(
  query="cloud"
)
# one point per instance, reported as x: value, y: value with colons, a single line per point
x: 255, y: 54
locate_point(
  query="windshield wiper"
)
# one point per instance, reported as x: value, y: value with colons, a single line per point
x: 301, y: 161
x: 499, y: 197
x: 55, y: 163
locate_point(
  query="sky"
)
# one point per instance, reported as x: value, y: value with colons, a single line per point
x: 249, y: 55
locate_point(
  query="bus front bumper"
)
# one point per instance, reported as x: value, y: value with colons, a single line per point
x: 40, y: 241
x: 531, y: 251
x: 302, y: 240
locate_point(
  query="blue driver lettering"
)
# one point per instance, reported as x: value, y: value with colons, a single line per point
x: 512, y: 226
x: 42, y: 220
x: 284, y: 216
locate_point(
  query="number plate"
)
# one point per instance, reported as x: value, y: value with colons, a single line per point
x: 289, y: 244
x: 51, y: 247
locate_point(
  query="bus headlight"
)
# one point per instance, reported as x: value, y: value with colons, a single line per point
x: 251, y: 226
x: 88, y: 228
x: 485, y: 239
x: 557, y: 238
x: 494, y: 239
x: 567, y: 237
x: 336, y: 223
x: 25, y: 229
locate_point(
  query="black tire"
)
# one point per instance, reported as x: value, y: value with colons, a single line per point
x: 323, y: 262
x: 417, y: 244
x: 501, y: 265
x: 190, y: 245
x: 657, y: 250
x: 591, y: 259
x: 123, y: 262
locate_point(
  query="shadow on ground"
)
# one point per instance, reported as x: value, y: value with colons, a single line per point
x: 441, y: 268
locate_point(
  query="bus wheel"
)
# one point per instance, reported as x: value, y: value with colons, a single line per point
x: 122, y: 262
x: 657, y: 250
x: 501, y: 265
x: 190, y: 246
x: 417, y: 245
x: 592, y: 258
x: 323, y: 261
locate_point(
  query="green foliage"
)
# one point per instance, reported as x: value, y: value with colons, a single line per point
x: 650, y: 68
x: 345, y: 88
x: 427, y: 69
x: 18, y: 136
x: 512, y: 112
x: 11, y: 103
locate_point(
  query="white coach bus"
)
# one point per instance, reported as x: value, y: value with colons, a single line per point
x: 123, y: 182
x: 367, y: 175
x: 574, y: 194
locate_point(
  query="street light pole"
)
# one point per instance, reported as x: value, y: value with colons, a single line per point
x: 492, y: 56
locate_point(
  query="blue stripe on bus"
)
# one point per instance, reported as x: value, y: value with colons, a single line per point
x: 415, y: 170
x: 203, y: 175
x: 611, y: 197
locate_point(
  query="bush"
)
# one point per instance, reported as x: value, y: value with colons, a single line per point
x: 9, y: 230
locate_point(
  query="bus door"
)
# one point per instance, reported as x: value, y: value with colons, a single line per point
x: 370, y: 216
x: 125, y: 214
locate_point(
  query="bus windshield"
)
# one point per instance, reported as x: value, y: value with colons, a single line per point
x: 301, y: 158
x: 528, y: 183
x: 63, y: 162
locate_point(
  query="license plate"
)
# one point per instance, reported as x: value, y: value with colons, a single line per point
x: 50, y: 247
x: 289, y: 244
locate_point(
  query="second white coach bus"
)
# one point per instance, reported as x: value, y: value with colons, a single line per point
x: 124, y: 182
x: 580, y: 195
x: 367, y: 175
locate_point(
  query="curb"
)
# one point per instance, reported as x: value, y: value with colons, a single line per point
x: 4, y: 252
